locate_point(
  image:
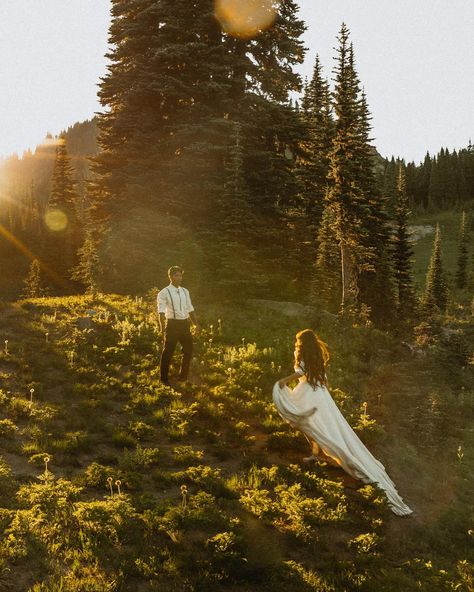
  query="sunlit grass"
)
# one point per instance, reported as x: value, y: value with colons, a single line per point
x: 157, y: 486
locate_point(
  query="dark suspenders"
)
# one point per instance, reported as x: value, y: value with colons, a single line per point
x: 172, y: 303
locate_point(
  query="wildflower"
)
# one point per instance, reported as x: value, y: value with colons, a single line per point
x: 184, y: 493
x: 110, y: 481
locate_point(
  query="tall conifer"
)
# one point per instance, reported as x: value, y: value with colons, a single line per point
x: 314, y: 163
x: 64, y: 231
x: 376, y: 280
x: 33, y: 284
x: 175, y: 84
x: 402, y: 251
x: 88, y: 270
x: 326, y: 286
x: 359, y: 218
x: 461, y: 271
x: 345, y: 198
x: 436, y: 292
x: 234, y: 256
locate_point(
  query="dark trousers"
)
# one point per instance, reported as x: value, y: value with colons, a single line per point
x: 177, y: 330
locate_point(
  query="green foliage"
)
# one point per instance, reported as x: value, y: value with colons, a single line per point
x: 8, y: 428
x: 187, y: 455
x: 461, y: 271
x: 64, y: 229
x: 203, y: 488
x: 365, y: 543
x: 140, y: 458
x: 33, y: 284
x: 307, y: 577
x: 402, y: 251
x: 96, y: 475
x: 194, y: 159
x: 436, y: 292
x: 88, y: 269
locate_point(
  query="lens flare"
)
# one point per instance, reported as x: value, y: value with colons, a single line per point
x: 246, y: 18
x: 24, y: 249
x: 56, y: 220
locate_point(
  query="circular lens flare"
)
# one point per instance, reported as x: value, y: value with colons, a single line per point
x: 246, y: 18
x: 55, y: 220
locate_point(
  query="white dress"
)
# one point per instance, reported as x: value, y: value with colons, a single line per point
x: 314, y: 412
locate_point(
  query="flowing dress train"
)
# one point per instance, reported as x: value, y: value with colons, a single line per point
x: 314, y: 412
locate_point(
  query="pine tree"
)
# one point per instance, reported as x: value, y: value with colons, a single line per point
x: 175, y: 84
x: 233, y: 254
x: 88, y: 270
x: 64, y: 232
x: 312, y: 170
x: 376, y: 278
x: 389, y: 190
x: 262, y: 77
x: 461, y: 272
x: 345, y: 198
x: 63, y: 195
x: 424, y: 180
x: 411, y: 185
x: 33, y: 285
x: 314, y: 164
x: 436, y: 292
x: 326, y: 285
x: 467, y: 166
x: 435, y: 192
x: 402, y: 251
x: 358, y: 210
x: 460, y: 179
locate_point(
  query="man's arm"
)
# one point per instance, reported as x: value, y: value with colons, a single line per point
x: 162, y: 320
x: 194, y: 321
x: 161, y: 305
x: 192, y: 314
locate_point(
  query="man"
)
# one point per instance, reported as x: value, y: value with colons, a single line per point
x: 175, y: 311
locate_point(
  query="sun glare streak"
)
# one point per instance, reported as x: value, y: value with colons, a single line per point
x: 26, y: 251
x: 246, y: 18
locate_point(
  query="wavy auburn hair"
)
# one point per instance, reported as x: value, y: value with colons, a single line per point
x: 314, y: 353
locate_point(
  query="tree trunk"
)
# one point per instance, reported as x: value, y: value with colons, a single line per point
x: 350, y: 288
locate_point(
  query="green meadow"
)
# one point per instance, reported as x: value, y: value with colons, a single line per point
x: 111, y: 481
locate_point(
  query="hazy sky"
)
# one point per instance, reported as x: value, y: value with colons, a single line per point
x: 415, y: 59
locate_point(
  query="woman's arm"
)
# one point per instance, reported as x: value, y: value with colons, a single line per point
x: 284, y: 381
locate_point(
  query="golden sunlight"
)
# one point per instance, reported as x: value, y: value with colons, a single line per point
x: 29, y: 254
x: 246, y: 18
x: 56, y: 220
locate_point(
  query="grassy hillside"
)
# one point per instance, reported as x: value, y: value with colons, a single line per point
x: 110, y: 481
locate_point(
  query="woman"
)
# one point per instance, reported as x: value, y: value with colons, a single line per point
x: 310, y: 408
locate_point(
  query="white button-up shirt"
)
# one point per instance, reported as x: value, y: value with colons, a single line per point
x: 174, y: 302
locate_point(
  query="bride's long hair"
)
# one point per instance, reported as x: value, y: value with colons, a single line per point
x: 314, y: 353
